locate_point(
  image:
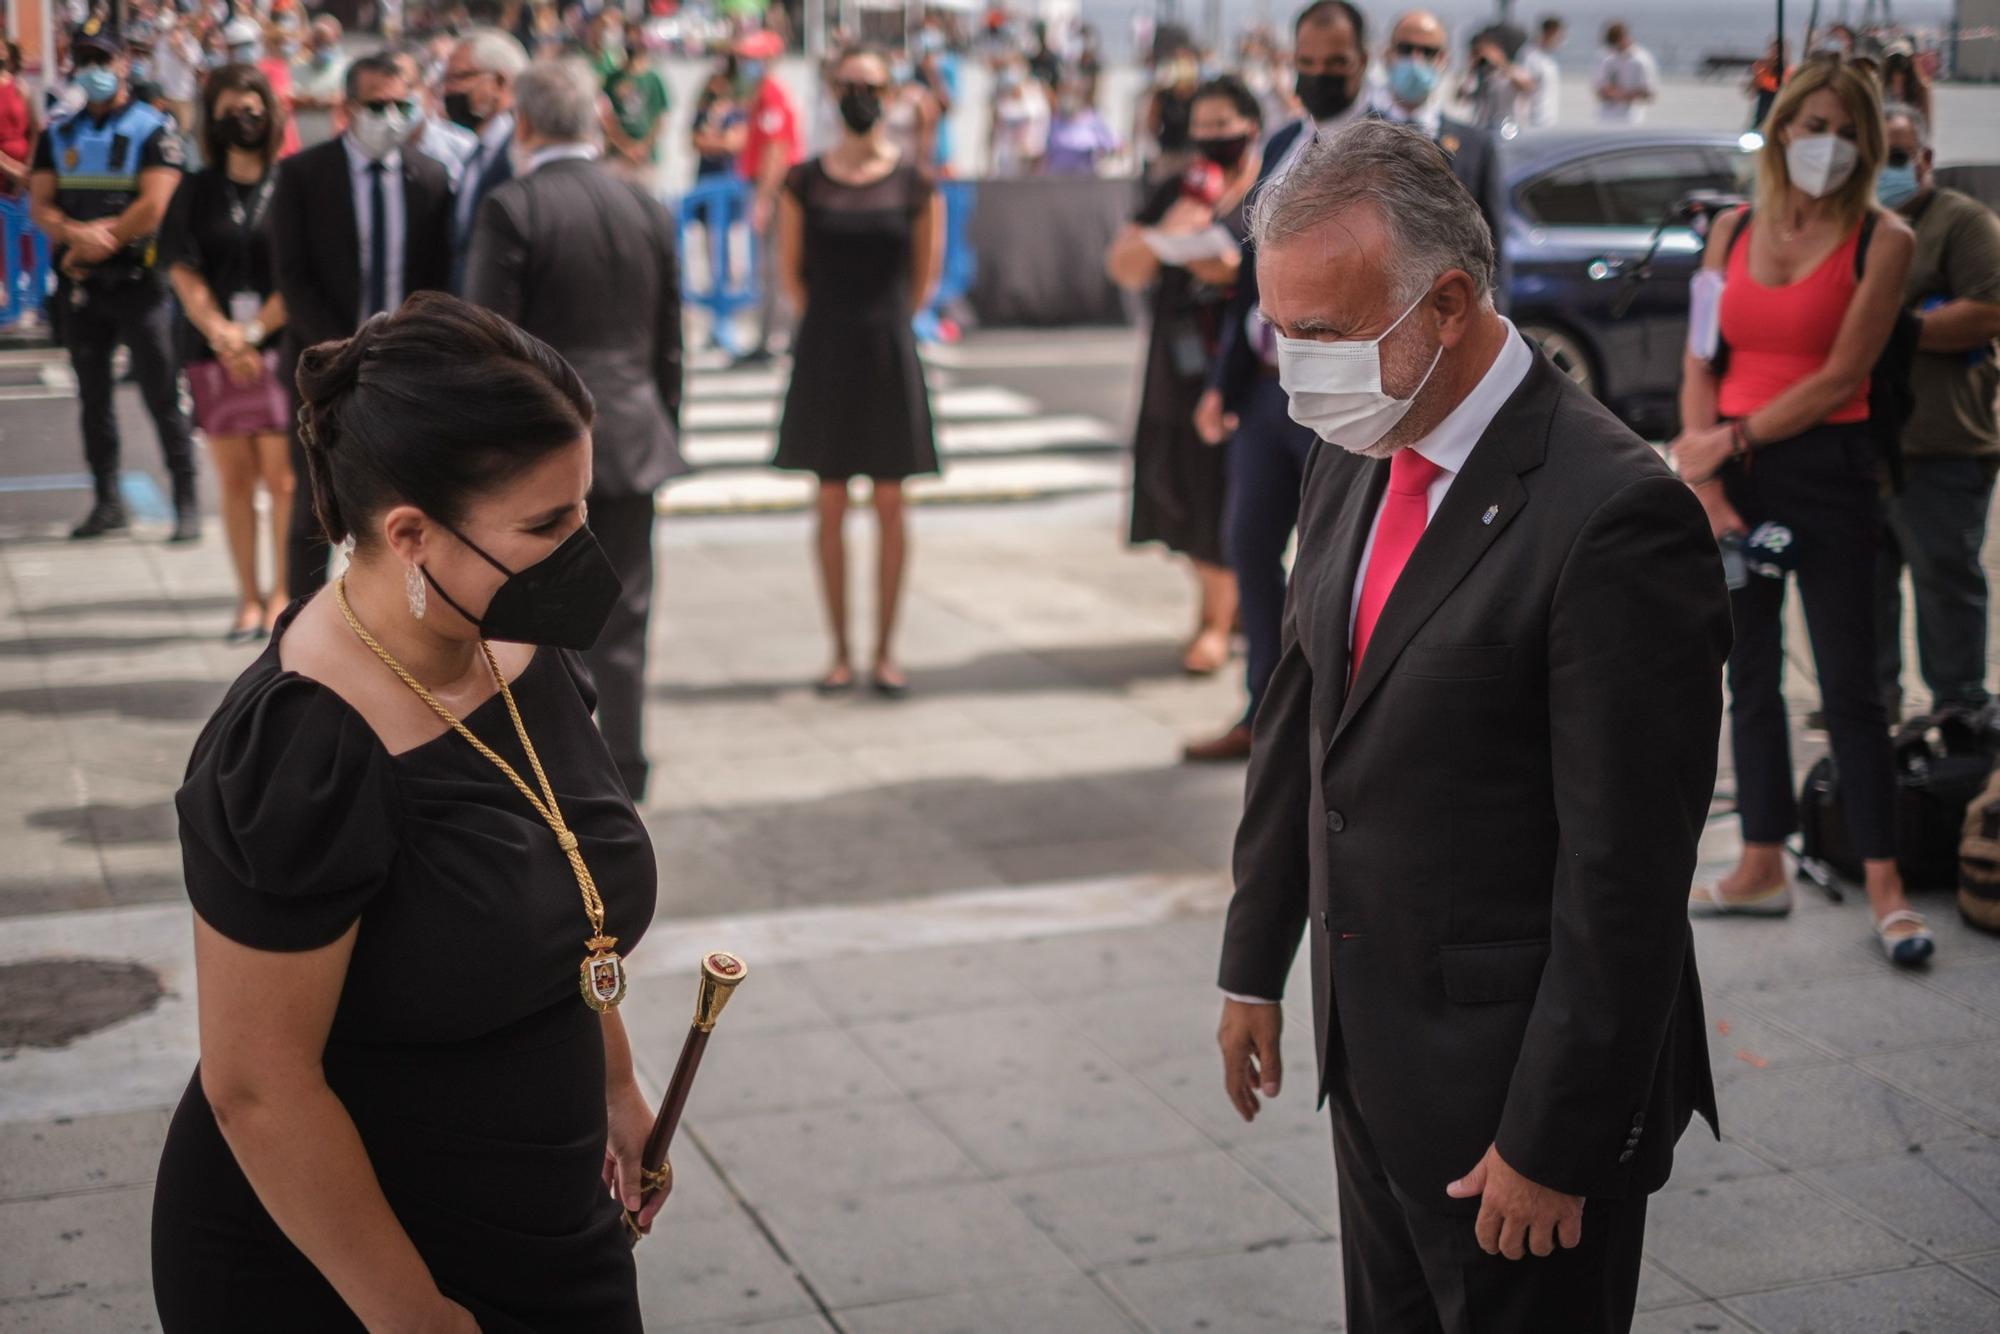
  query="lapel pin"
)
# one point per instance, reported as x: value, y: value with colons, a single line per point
x: 1492, y: 513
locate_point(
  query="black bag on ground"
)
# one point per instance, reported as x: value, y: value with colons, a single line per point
x: 1942, y: 761
x: 1979, y: 858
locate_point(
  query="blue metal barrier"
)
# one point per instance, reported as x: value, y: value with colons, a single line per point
x: 27, y: 288
x: 717, y: 206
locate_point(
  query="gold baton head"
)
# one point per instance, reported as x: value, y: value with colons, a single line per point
x: 720, y: 973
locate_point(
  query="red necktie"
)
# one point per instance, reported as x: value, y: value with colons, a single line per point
x: 1405, y: 511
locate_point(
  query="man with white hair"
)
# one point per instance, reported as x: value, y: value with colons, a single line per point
x: 479, y: 95
x: 1479, y: 772
x: 586, y: 262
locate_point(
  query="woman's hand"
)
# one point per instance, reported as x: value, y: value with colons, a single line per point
x: 244, y: 366
x: 629, y: 1120
x: 447, y: 1317
x: 227, y: 339
x: 1185, y: 217
x: 1700, y: 453
x: 1722, y: 516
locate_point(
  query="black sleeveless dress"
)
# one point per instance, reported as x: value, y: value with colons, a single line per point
x: 857, y: 405
x: 461, y: 1046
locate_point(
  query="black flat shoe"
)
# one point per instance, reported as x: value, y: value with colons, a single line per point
x: 830, y: 685
x: 106, y: 516
x: 889, y: 689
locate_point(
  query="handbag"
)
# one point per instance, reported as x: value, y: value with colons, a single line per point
x: 224, y: 407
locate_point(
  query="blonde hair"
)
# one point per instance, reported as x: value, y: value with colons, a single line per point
x: 1861, y: 97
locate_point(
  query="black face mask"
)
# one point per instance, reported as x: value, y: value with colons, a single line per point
x: 860, y: 110
x: 561, y: 601
x: 458, y: 110
x: 1224, y: 153
x: 1324, y: 96
x: 245, y: 129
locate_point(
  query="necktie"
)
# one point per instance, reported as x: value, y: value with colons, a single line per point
x: 378, y: 243
x: 1405, y: 511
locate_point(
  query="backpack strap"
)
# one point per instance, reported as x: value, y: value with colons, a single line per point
x: 1868, y: 221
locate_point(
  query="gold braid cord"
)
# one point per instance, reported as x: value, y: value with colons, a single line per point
x: 544, y: 804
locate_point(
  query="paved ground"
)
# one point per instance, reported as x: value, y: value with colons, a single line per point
x: 970, y: 1085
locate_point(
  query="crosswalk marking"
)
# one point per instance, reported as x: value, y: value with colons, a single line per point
x: 1037, y: 435
x: 973, y: 481
x: 979, y: 401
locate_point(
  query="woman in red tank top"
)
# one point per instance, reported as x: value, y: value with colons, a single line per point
x: 1777, y: 444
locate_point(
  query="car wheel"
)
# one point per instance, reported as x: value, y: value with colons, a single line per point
x: 1567, y: 351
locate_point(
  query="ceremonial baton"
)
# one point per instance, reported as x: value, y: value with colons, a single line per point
x: 720, y: 973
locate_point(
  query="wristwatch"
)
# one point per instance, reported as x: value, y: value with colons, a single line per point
x: 253, y: 334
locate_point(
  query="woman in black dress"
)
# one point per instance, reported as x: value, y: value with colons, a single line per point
x: 412, y: 1098
x: 218, y: 257
x: 860, y: 242
x: 1178, y: 479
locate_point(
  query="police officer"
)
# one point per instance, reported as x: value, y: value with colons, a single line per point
x: 100, y: 183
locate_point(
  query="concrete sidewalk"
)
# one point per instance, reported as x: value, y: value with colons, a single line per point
x: 971, y: 1084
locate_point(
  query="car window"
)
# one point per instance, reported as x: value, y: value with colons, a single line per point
x: 1565, y: 197
x: 1640, y: 187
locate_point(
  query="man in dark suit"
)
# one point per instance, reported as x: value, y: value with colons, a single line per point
x: 1479, y: 773
x: 1268, y: 451
x: 479, y: 96
x: 357, y: 224
x: 586, y: 263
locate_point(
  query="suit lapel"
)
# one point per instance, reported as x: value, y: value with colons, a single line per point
x: 346, y: 223
x: 1483, y: 500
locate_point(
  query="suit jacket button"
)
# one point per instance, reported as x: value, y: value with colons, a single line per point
x: 1625, y: 1157
x: 1335, y: 822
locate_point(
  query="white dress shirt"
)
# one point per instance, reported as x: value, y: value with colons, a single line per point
x: 359, y: 177
x: 1448, y: 446
x: 493, y: 137
x: 541, y: 157
x: 447, y: 143
x: 1429, y: 117
x: 1538, y: 107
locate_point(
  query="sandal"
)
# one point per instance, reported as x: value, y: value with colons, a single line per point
x: 835, y: 683
x: 1705, y: 901
x: 1909, y: 949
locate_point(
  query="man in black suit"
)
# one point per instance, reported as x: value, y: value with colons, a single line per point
x: 357, y: 224
x: 1479, y: 773
x: 479, y: 97
x: 586, y: 263
x: 1268, y: 451
x: 1243, y: 403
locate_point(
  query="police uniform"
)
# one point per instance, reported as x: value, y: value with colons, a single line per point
x: 97, y: 162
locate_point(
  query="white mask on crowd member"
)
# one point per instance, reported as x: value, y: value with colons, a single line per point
x: 1819, y: 164
x: 1335, y: 389
x: 379, y: 133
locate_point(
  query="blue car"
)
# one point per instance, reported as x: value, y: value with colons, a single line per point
x: 1583, y: 207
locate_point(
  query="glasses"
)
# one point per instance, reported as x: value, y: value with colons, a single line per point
x: 382, y: 106
x: 1899, y: 158
x: 1407, y: 50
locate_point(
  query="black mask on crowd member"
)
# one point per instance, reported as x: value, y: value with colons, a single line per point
x: 1224, y: 153
x: 458, y: 110
x: 860, y: 109
x: 245, y: 129
x: 561, y: 601
x: 1324, y: 96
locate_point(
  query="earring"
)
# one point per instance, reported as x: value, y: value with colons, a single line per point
x: 413, y: 588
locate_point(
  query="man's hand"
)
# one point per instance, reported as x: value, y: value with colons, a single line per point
x: 1515, y: 1213
x: 1211, y: 423
x: 1250, y: 1065
x: 91, y: 242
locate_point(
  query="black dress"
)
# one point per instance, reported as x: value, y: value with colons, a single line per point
x: 858, y: 406
x: 1178, y: 481
x: 461, y: 1046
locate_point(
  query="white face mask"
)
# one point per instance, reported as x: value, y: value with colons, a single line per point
x: 1819, y: 164
x: 379, y: 133
x: 1336, y: 388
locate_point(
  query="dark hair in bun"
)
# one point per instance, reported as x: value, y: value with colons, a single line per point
x: 432, y: 406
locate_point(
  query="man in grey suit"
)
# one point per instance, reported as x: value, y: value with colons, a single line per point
x: 587, y: 263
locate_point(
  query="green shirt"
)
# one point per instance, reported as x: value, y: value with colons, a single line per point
x: 1957, y: 258
x: 638, y: 100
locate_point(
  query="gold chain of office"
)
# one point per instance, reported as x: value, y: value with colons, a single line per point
x: 602, y: 974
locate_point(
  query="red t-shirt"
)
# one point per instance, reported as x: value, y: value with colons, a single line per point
x: 772, y: 121
x: 13, y: 122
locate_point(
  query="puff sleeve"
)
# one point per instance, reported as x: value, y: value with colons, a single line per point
x: 288, y: 816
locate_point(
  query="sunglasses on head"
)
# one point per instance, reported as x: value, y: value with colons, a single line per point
x: 1406, y: 50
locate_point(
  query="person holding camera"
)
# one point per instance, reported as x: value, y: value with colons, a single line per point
x: 99, y: 186
x: 1780, y: 443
